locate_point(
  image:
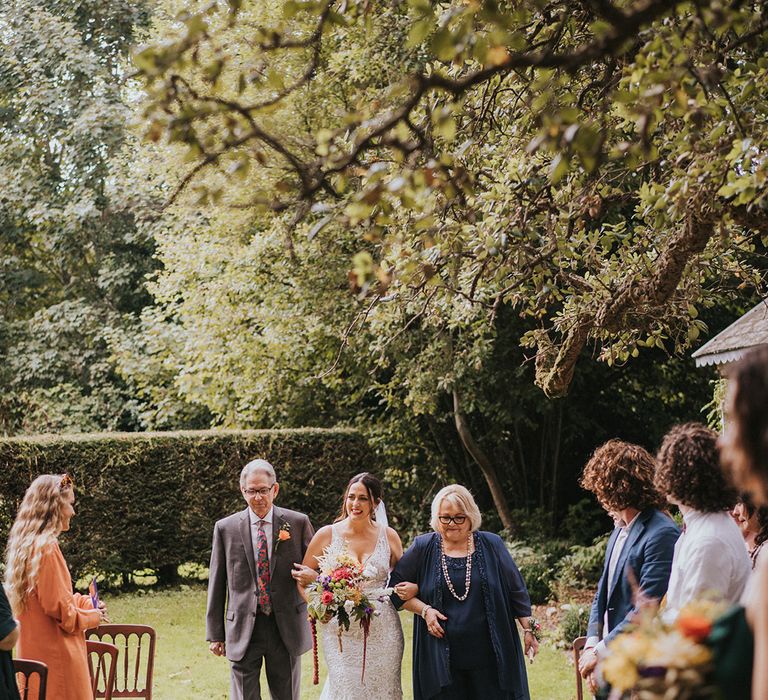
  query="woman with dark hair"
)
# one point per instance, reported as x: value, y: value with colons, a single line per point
x: 744, y: 452
x: 362, y: 532
x: 753, y: 523
x: 52, y: 619
x: 710, y: 557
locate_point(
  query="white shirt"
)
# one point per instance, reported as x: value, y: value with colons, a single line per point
x: 710, y: 558
x: 255, y: 520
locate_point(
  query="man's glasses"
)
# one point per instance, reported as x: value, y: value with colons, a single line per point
x: 258, y: 492
x: 448, y: 519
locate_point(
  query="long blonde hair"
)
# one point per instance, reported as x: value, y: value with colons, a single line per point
x: 37, y: 526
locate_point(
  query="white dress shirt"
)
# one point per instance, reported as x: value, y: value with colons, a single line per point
x: 710, y: 559
x: 255, y: 520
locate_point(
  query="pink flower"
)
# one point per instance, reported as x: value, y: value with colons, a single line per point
x: 327, y: 597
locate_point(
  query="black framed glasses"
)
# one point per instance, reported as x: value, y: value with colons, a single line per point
x: 263, y: 492
x: 448, y: 519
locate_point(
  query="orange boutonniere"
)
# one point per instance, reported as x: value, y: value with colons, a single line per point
x: 283, y: 534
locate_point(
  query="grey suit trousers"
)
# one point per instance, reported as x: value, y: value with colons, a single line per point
x: 283, y: 670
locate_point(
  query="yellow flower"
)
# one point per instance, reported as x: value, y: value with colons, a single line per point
x: 620, y: 671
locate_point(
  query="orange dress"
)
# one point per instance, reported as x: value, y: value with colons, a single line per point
x: 52, y: 629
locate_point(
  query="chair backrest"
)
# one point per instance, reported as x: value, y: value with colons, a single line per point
x: 578, y: 645
x: 29, y: 687
x: 135, y: 670
x: 102, y: 664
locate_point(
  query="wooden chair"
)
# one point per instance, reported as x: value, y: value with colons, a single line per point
x: 578, y: 646
x: 102, y: 664
x: 25, y: 670
x: 136, y: 644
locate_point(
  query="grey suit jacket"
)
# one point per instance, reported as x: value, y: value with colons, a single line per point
x: 232, y: 592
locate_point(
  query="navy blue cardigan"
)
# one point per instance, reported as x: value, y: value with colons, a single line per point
x: 505, y: 598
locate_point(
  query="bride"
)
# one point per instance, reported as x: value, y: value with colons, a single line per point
x: 362, y: 527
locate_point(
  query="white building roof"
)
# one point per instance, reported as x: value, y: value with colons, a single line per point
x: 747, y: 332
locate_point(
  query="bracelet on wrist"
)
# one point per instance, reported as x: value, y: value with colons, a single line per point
x: 527, y: 630
x: 424, y: 611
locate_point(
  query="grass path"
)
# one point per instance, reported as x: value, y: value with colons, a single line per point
x: 185, y: 670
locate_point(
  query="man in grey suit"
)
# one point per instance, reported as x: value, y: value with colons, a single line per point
x: 254, y: 610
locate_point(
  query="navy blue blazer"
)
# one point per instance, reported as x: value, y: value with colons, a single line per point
x: 505, y: 598
x: 648, y: 551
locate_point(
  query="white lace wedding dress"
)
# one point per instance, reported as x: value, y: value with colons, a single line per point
x: 384, y: 654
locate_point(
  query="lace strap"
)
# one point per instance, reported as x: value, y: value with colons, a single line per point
x: 386, y: 548
x: 335, y: 535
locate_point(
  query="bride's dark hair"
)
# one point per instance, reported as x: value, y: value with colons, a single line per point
x: 372, y: 486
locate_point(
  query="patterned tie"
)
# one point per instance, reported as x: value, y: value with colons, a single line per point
x: 262, y: 569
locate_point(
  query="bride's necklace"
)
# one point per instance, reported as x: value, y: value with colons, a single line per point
x: 467, y: 577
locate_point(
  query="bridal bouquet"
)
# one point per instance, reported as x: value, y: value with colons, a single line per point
x: 338, y: 594
x: 658, y: 659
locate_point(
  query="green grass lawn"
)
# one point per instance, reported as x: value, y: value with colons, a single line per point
x: 185, y: 670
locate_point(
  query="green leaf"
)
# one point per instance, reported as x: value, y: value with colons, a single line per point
x: 419, y: 31
x: 559, y: 168
x: 446, y: 128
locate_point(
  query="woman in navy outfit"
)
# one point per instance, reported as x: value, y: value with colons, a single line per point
x: 9, y: 634
x: 465, y: 643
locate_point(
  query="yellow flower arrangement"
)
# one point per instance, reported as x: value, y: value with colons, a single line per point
x: 659, y: 659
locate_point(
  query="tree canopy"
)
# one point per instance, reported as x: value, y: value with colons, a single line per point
x: 377, y: 207
x: 400, y: 216
x: 72, y: 254
x: 598, y: 167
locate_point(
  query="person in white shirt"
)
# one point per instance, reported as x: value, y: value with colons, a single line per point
x: 710, y: 557
x: 639, y: 551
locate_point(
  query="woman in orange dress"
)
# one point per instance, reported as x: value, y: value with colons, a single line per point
x: 52, y: 619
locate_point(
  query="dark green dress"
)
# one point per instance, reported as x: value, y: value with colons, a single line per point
x: 732, y: 646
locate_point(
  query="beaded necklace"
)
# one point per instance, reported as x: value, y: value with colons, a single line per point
x: 467, y: 577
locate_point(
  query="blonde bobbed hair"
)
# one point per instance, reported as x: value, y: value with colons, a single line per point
x: 37, y: 526
x: 460, y: 497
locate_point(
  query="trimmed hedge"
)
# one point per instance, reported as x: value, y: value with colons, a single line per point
x: 149, y: 500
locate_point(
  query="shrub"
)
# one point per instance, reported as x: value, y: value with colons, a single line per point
x: 573, y: 623
x: 583, y: 522
x: 537, y: 566
x: 583, y: 565
x: 149, y: 500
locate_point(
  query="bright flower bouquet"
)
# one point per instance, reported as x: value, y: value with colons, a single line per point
x: 338, y: 594
x: 656, y: 659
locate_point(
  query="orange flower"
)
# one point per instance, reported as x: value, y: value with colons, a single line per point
x: 696, y: 627
x: 283, y: 535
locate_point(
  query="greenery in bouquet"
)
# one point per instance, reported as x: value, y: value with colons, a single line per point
x: 338, y: 594
x: 658, y: 658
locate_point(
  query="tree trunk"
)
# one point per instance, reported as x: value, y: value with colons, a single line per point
x: 523, y: 468
x: 486, y: 467
x: 544, y: 441
x: 555, y: 461
x: 168, y: 574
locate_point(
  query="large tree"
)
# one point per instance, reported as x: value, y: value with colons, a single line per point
x: 73, y: 252
x: 595, y: 169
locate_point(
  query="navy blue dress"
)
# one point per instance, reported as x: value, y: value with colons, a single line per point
x: 443, y: 667
x: 8, y: 690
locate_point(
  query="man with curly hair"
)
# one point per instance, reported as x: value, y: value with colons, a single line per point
x: 710, y: 557
x: 640, y: 549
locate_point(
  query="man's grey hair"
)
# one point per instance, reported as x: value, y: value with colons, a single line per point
x: 257, y: 465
